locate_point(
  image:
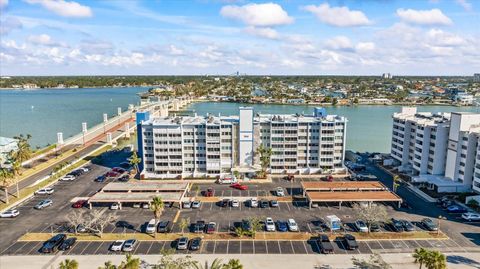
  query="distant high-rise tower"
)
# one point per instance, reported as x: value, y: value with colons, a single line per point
x: 476, y: 77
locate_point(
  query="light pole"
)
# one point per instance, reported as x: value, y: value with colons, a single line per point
x: 84, y: 131
x: 105, y: 119
x: 440, y: 218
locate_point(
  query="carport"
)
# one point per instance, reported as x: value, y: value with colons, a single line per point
x: 353, y: 196
x: 342, y: 186
x: 139, y: 192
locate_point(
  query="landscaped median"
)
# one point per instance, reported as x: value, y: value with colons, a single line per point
x: 26, y: 192
x: 262, y: 236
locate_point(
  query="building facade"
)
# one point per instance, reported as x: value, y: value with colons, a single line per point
x: 440, y: 148
x: 201, y: 146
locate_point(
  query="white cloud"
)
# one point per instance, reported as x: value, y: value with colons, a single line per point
x: 424, y: 17
x: 339, y: 43
x: 264, y: 15
x: 465, y: 4
x: 64, y: 8
x: 9, y: 24
x: 174, y: 50
x: 364, y: 47
x: 265, y: 32
x: 444, y: 39
x: 3, y: 3
x: 338, y: 16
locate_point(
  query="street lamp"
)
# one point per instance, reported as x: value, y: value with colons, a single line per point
x: 440, y: 218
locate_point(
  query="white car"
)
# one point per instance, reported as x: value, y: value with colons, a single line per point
x: 269, y: 225
x: 253, y: 202
x: 45, y: 191
x: 150, y: 226
x: 146, y: 206
x: 115, y: 206
x: 129, y: 245
x: 235, y: 203
x: 187, y: 204
x: 292, y: 225
x: 470, y: 216
x: 196, y: 204
x: 44, y: 203
x: 117, y: 245
x: 68, y: 178
x: 279, y: 191
x: 137, y: 205
x: 361, y: 226
x: 84, y: 169
x: 11, y: 213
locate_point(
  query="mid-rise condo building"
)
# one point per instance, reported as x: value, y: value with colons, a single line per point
x: 440, y: 148
x: 209, y: 146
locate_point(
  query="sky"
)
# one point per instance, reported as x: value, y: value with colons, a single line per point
x: 215, y: 37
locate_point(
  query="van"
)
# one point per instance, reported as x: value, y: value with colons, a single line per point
x: 150, y: 228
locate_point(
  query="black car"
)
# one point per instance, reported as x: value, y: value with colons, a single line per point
x: 163, y: 226
x: 350, y: 242
x: 246, y: 225
x: 375, y: 227
x: 52, y: 244
x: 68, y: 243
x: 124, y: 224
x: 100, y: 178
x: 195, y: 243
x: 408, y: 226
x: 263, y: 204
x: 199, y: 226
x: 224, y: 203
x: 397, y: 225
x: 429, y: 224
x: 326, y: 246
x: 124, y: 178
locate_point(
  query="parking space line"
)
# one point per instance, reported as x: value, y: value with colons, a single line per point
x: 266, y: 246
x: 279, y: 248
x: 305, y: 246
x: 309, y: 228
x: 86, y: 247
x: 214, y: 246
x: 211, y: 206
x: 151, y: 244
x: 99, y: 245
x: 288, y: 206
x: 371, y: 250
x: 228, y: 244
x: 291, y: 244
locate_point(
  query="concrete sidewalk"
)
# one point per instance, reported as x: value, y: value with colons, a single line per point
x: 398, y: 260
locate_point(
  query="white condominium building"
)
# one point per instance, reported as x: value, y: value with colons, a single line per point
x: 200, y: 146
x: 440, y: 148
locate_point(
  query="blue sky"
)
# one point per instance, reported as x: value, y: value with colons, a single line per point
x: 159, y: 37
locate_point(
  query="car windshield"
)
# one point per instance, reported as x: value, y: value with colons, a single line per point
x: 118, y: 243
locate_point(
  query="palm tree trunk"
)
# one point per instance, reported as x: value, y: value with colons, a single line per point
x: 18, y: 191
x: 5, y: 189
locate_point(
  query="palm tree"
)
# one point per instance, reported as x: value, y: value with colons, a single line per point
x: 108, y: 265
x: 23, y: 151
x: 265, y: 154
x: 216, y: 264
x: 15, y: 169
x: 134, y: 160
x: 5, y: 179
x: 68, y: 264
x: 436, y: 260
x: 396, y: 180
x: 157, y: 206
x: 184, y: 223
x: 233, y: 264
x: 130, y: 263
x: 421, y: 256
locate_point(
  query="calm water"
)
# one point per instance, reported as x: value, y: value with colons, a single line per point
x: 43, y: 113
x: 369, y: 128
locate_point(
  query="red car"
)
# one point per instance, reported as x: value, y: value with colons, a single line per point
x: 79, y: 204
x: 208, y: 192
x: 112, y: 174
x: 119, y: 170
x: 239, y: 186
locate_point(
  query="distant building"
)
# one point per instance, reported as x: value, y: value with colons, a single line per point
x: 209, y: 146
x: 387, y: 76
x: 6, y: 145
x: 440, y: 149
x: 476, y: 77
x: 463, y: 98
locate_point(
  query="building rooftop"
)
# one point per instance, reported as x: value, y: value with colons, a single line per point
x: 342, y: 186
x: 134, y: 197
x: 145, y: 186
x: 365, y: 196
x: 5, y: 141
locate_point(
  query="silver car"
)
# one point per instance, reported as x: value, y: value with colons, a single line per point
x: 129, y: 245
x: 182, y: 243
x: 44, y: 203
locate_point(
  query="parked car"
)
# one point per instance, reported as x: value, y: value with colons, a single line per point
x: 137, y: 205
x: 246, y: 225
x: 211, y: 228
x: 209, y: 192
x: 117, y: 245
x: 79, y: 204
x: 163, y: 226
x: 408, y: 226
x: 282, y: 226
x: 456, y: 209
x: 45, y: 191
x: 150, y: 226
x: 199, y: 226
x: 146, y: 206
x: 263, y: 203
x: 235, y: 203
x: 52, y: 244
x: 187, y: 204
x: 129, y: 245
x: 100, y: 178
x: 447, y: 202
x: 124, y: 178
x: 124, y: 224
x: 196, y: 204
x: 269, y: 225
x: 350, y: 242
x: 292, y: 225
x: 274, y: 203
x: 361, y: 226
x: 182, y: 243
x: 112, y: 174
x: 239, y: 186
x: 470, y: 216
x: 326, y: 247
x: 279, y: 192
x: 253, y: 202
x: 365, y: 177
x: 11, y: 213
x: 85, y: 169
x: 115, y: 206
x: 68, y: 178
x: 429, y: 224
x: 397, y: 226
x: 118, y: 170
x: 44, y: 203
x: 68, y: 243
x: 195, y: 243
x: 224, y: 202
x: 374, y: 227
